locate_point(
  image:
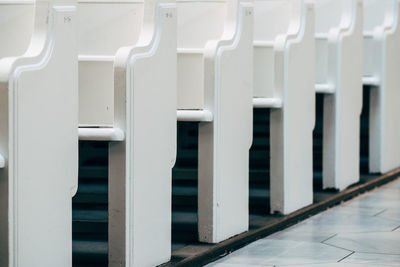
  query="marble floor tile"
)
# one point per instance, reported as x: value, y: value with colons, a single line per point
x: 382, y: 242
x: 391, y: 213
x: 297, y: 233
x: 373, y: 202
x: 387, y: 195
x: 326, y: 226
x: 373, y: 259
x: 216, y: 264
x: 356, y: 208
x: 394, y: 184
x: 334, y: 264
x: 364, y: 231
x: 273, y: 252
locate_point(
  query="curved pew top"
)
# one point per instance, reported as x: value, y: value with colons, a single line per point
x: 199, y: 22
x: 380, y: 18
x: 379, y: 13
x: 332, y: 14
x: 334, y: 19
x: 106, y: 26
x: 274, y: 20
x: 16, y: 26
x: 275, y: 17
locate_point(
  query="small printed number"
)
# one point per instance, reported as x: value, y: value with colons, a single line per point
x: 67, y: 19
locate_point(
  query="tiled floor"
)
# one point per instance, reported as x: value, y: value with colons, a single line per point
x: 362, y: 232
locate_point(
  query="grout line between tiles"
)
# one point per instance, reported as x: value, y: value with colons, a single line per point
x: 396, y: 228
x: 328, y: 238
x: 346, y: 256
x: 235, y: 243
x: 382, y: 211
x: 336, y: 246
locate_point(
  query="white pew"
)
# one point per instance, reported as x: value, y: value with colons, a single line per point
x: 284, y: 78
x: 381, y: 71
x: 127, y: 84
x: 339, y: 61
x: 38, y: 132
x: 215, y: 88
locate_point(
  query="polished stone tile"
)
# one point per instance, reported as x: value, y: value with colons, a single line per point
x: 373, y: 259
x: 297, y: 233
x: 381, y: 242
x: 356, y: 209
x: 273, y: 252
x: 387, y: 195
x: 391, y: 213
x: 335, y: 264
x: 332, y: 222
x: 394, y: 184
x: 235, y: 265
x: 379, y: 198
x: 374, y: 202
x: 368, y: 225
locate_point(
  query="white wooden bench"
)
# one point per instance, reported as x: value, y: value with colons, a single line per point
x: 339, y: 57
x: 127, y: 86
x: 284, y: 78
x: 381, y: 73
x: 38, y: 132
x: 215, y: 89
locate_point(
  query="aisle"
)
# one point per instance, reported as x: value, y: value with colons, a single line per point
x: 362, y: 232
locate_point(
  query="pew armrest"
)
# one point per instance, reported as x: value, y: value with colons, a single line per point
x: 101, y: 134
x: 195, y: 115
x: 324, y: 88
x: 2, y: 162
x: 371, y: 81
x: 259, y: 102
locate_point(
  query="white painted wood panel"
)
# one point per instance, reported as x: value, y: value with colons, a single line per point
x: 382, y: 62
x: 339, y: 62
x: 39, y: 139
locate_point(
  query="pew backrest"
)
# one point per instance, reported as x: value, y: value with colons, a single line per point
x: 332, y: 19
x: 379, y: 15
x: 16, y: 26
x: 104, y: 27
x: 273, y: 19
x: 198, y: 23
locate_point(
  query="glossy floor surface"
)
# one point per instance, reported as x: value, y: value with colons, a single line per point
x: 362, y: 232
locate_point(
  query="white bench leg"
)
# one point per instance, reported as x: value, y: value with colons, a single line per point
x: 292, y: 126
x: 224, y: 144
x: 384, y: 153
x: 342, y: 110
x: 141, y: 166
